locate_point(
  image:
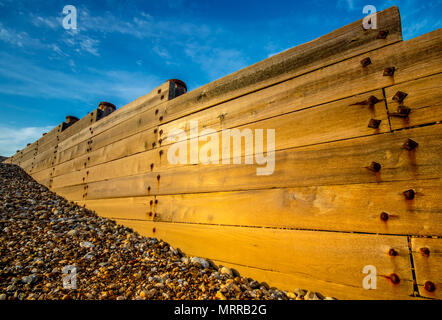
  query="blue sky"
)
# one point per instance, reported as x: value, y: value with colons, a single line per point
x: 123, y: 49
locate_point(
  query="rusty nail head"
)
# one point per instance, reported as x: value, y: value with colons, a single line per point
x: 153, y: 144
x: 392, y: 252
x: 409, y: 194
x: 161, y: 152
x: 372, y: 100
x: 382, y: 34
x: 384, y: 216
x: 161, y: 131
x: 395, y: 278
x: 161, y: 118
x: 148, y: 188
x: 161, y: 140
x: 375, y: 167
x: 374, y: 123
x: 156, y: 201
x: 410, y: 145
x: 158, y: 177
x: 388, y: 72
x: 155, y: 130
x: 151, y: 166
x: 365, y: 62
x: 429, y: 286
x: 159, y: 91
x: 400, y: 96
x: 425, y: 251
x: 151, y: 202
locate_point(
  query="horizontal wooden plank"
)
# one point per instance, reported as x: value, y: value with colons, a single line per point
x: 299, y: 167
x: 333, y: 259
x: 338, y: 208
x: 424, y: 98
x: 427, y: 257
x: 335, y: 127
x: 141, y: 207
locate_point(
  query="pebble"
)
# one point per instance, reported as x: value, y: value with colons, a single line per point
x: 225, y: 270
x: 202, y: 262
x: 42, y: 233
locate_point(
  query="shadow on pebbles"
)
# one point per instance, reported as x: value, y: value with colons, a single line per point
x: 54, y: 249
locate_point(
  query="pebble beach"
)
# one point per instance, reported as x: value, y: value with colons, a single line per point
x: 44, y: 237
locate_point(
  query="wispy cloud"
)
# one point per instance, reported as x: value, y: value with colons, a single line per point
x: 32, y: 80
x: 16, y: 138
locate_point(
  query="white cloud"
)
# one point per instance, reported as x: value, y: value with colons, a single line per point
x: 16, y: 138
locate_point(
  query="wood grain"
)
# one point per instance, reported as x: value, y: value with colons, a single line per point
x: 428, y: 267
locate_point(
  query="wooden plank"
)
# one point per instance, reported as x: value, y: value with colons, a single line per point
x: 43, y: 176
x: 427, y: 257
x: 126, y: 208
x: 322, y: 257
x: 299, y: 167
x: 338, y: 208
x: 424, y: 98
x: 335, y: 127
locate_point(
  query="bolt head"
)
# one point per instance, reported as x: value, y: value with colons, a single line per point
x: 429, y: 286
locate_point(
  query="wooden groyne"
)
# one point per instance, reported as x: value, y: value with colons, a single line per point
x: 357, y: 177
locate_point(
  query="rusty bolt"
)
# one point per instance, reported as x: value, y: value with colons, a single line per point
x: 156, y: 111
x: 161, y: 118
x: 153, y: 230
x: 409, y: 194
x: 382, y: 34
x: 161, y: 132
x: 151, y: 166
x: 150, y: 213
x: 425, y: 251
x: 148, y: 188
x: 373, y: 123
x: 161, y: 153
x: 402, y: 112
x: 155, y: 131
x: 429, y: 286
x: 388, y: 72
x: 158, y: 177
x: 374, y: 166
x: 410, y: 145
x: 392, y: 252
x: 151, y: 202
x: 372, y: 100
x: 384, y: 216
x: 400, y: 96
x: 394, y: 278
x: 365, y: 62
